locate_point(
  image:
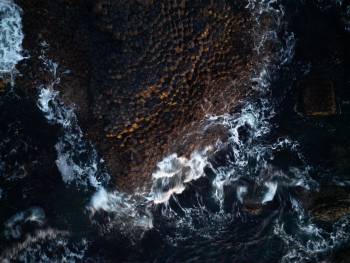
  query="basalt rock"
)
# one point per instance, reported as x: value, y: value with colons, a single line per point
x: 318, y: 97
x: 143, y: 74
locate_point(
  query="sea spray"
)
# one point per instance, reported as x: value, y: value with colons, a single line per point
x: 11, y: 37
x: 129, y: 213
x: 174, y: 172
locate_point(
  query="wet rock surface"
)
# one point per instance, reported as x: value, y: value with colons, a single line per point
x: 330, y: 204
x: 318, y: 98
x: 158, y: 69
x: 141, y: 74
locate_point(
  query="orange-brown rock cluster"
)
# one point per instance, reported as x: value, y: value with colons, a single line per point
x: 144, y: 73
x: 158, y: 68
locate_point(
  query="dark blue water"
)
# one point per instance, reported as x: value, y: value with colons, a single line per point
x: 249, y: 204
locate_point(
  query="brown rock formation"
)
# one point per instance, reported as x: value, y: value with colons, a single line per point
x: 165, y: 66
x: 144, y: 73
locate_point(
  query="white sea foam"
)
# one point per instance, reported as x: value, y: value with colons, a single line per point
x: 246, y: 127
x: 174, y: 172
x: 80, y: 165
x: 127, y: 213
x: 46, y: 246
x: 241, y: 192
x: 261, y: 195
x: 11, y: 36
x: 271, y: 191
x: 77, y: 160
x: 13, y: 226
x: 310, y: 242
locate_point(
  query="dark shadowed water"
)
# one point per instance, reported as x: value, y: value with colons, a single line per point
x: 249, y: 202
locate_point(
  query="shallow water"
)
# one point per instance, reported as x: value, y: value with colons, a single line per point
x: 245, y: 203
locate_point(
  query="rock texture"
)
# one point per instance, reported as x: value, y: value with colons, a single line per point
x: 2, y: 86
x: 143, y: 73
x: 318, y: 98
x: 158, y: 68
x: 330, y: 204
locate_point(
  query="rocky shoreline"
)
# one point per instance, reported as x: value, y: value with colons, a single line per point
x: 142, y: 75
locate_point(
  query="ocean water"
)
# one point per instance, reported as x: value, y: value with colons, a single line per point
x: 244, y: 203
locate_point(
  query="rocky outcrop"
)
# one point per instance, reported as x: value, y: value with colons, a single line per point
x: 158, y: 69
x: 143, y: 74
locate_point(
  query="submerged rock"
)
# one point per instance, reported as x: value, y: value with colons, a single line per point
x: 330, y: 204
x: 2, y: 86
x: 342, y: 256
x: 318, y: 97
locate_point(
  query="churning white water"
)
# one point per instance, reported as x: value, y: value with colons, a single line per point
x: 253, y: 120
x: 77, y: 160
x: 79, y: 164
x: 310, y: 241
x: 174, y: 172
x: 252, y: 154
x: 129, y: 213
x: 11, y: 36
x: 13, y: 226
x: 74, y: 170
x: 45, y: 246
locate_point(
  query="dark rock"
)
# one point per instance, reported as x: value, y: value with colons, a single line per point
x: 342, y: 256
x: 2, y: 85
x: 144, y: 74
x: 330, y: 204
x: 340, y: 157
x: 167, y: 59
x: 318, y: 97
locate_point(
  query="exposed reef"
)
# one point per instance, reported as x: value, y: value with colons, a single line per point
x: 142, y: 74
